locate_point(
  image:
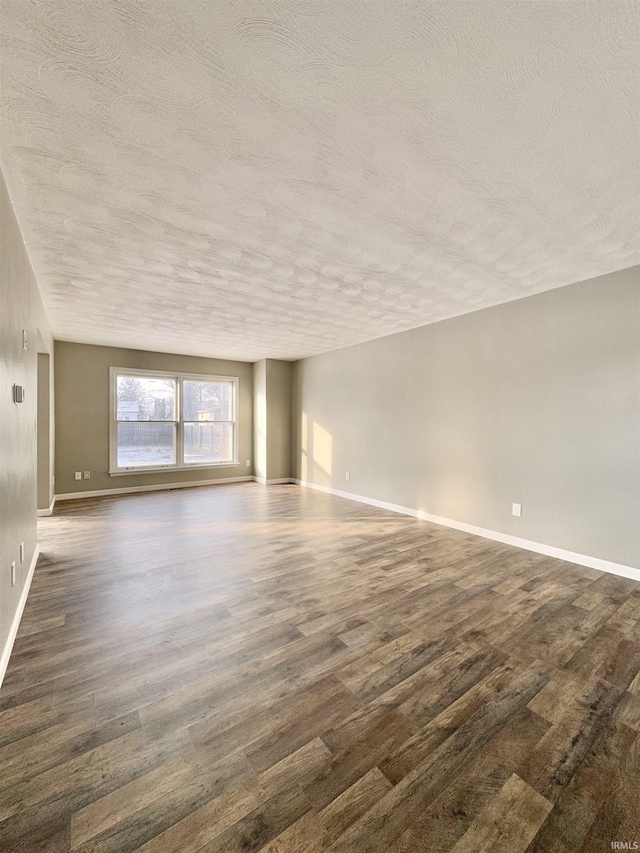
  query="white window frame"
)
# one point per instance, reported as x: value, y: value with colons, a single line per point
x: 179, y: 464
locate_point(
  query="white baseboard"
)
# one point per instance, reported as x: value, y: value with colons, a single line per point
x: 505, y: 538
x: 157, y: 487
x: 8, y: 646
x: 49, y: 510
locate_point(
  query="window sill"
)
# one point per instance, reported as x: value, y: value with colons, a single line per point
x: 168, y: 468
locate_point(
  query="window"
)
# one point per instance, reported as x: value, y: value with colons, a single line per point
x: 171, y: 420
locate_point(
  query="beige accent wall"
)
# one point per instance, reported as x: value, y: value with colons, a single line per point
x: 272, y: 418
x: 20, y: 308
x: 536, y: 401
x: 82, y: 415
x: 278, y: 419
x: 260, y: 419
x: 44, y: 416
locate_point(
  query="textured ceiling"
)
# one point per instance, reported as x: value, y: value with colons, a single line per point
x: 251, y: 179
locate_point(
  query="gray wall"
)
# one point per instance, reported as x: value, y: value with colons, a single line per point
x: 82, y: 414
x: 536, y: 401
x: 21, y: 308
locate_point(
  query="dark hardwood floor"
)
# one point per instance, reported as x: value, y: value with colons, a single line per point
x: 243, y: 668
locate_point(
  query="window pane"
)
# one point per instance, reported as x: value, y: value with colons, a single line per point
x: 208, y: 442
x: 142, y: 444
x: 146, y: 398
x: 207, y: 401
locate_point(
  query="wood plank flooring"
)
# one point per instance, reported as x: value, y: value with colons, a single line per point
x: 241, y: 668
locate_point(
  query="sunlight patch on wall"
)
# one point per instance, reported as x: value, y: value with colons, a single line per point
x: 322, y: 450
x: 304, y: 467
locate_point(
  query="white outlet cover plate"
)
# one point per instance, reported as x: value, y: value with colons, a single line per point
x: 516, y: 509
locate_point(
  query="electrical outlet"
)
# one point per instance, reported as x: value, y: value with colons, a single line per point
x: 22, y: 552
x: 347, y: 475
x: 78, y: 475
x: 516, y: 509
x: 13, y: 573
x: 87, y: 475
x: 248, y: 463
